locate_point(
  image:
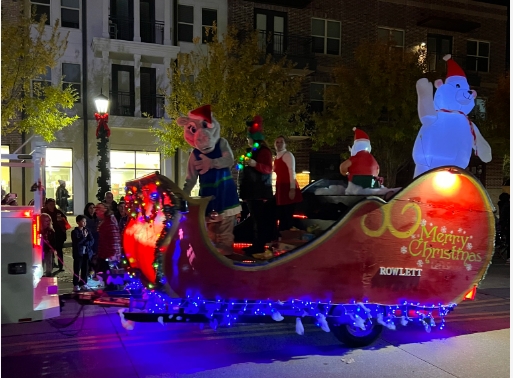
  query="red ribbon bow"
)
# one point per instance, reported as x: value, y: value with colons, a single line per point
x: 102, y: 123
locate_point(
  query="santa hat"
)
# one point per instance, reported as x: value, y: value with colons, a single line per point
x: 256, y: 128
x: 203, y: 113
x: 360, y: 136
x: 453, y: 69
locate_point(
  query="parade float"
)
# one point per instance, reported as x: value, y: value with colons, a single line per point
x: 375, y: 261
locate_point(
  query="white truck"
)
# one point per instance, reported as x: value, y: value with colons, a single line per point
x: 26, y: 295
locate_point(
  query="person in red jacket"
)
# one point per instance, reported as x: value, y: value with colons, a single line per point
x: 287, y: 188
x: 255, y: 186
x: 109, y: 239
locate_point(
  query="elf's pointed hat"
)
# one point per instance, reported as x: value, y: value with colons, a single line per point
x: 453, y: 68
x: 203, y: 112
x: 256, y: 128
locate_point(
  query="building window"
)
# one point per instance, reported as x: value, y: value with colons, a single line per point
x: 71, y: 73
x: 317, y: 94
x: 479, y: 111
x: 271, y: 26
x: 70, y: 14
x: 185, y: 23
x: 208, y: 18
x: 393, y: 36
x: 478, y: 56
x: 128, y: 165
x: 6, y: 173
x: 437, y: 47
x: 59, y: 166
x: 40, y: 7
x: 326, y: 36
x: 40, y: 82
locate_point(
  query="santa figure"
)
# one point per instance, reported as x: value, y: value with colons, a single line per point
x: 361, y: 168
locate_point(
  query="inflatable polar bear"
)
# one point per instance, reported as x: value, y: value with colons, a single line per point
x: 447, y: 135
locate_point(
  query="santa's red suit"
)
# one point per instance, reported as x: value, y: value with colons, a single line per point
x: 363, y: 164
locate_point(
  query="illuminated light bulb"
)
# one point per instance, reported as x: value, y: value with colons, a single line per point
x: 157, y: 182
x: 256, y: 145
x: 446, y: 182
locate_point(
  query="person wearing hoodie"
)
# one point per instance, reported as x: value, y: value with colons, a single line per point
x: 82, y: 243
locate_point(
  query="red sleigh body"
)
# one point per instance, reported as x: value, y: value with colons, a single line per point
x: 432, y: 243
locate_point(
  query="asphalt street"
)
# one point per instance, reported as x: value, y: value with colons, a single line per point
x: 89, y: 342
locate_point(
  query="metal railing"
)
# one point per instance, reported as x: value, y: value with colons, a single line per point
x: 153, y: 106
x: 281, y: 43
x: 123, y: 28
x: 152, y: 32
x: 122, y: 104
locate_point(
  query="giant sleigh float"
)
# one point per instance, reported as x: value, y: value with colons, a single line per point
x: 382, y: 264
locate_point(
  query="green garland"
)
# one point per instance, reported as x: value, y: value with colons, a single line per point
x: 103, y: 164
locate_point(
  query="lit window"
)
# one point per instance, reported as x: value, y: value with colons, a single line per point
x: 393, y: 36
x: 59, y: 166
x: 326, y: 36
x: 40, y: 82
x: 208, y: 18
x: 40, y: 7
x: 70, y: 14
x: 128, y: 165
x: 478, y: 56
x: 6, y: 172
x: 185, y: 23
x: 71, y: 77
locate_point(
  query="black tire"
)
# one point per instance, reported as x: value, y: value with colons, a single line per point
x: 355, y: 337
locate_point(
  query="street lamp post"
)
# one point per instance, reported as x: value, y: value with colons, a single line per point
x: 102, y: 135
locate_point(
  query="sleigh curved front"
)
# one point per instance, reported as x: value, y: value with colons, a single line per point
x: 430, y: 244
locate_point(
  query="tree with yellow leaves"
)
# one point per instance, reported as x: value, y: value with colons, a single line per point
x: 28, y: 103
x: 238, y: 80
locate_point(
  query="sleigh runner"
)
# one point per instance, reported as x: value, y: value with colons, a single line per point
x: 383, y: 263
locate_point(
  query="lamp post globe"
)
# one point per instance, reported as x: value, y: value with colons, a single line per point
x: 102, y: 103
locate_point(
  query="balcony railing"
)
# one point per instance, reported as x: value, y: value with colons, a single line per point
x: 123, y: 28
x: 297, y: 48
x: 123, y: 104
x: 152, y: 32
x: 153, y: 106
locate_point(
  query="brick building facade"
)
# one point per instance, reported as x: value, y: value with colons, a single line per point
x: 474, y: 32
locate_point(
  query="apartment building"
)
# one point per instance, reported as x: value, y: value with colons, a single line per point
x: 121, y: 48
x: 325, y: 33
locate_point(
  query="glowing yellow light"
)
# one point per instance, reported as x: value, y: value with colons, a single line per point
x: 446, y: 182
x: 157, y: 182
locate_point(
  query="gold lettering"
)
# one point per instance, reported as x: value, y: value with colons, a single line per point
x: 440, y: 238
x: 472, y: 257
x: 464, y: 241
x: 428, y: 234
x: 478, y: 256
x: 387, y: 223
x: 429, y: 252
x: 446, y: 254
x: 417, y: 247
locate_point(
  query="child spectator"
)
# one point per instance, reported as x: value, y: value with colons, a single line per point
x: 82, y: 242
x: 48, y: 243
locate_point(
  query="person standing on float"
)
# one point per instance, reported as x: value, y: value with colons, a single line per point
x: 287, y: 188
x: 256, y: 187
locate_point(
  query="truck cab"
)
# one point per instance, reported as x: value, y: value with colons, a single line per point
x: 26, y: 295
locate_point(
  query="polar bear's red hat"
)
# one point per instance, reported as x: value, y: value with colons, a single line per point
x: 453, y: 68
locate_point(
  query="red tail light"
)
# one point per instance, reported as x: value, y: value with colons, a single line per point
x: 471, y: 294
x: 36, y: 240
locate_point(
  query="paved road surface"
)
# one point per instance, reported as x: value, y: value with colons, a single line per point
x: 474, y: 344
